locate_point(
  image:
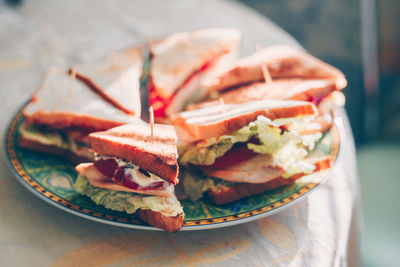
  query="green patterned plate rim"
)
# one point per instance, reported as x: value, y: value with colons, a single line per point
x: 51, y: 179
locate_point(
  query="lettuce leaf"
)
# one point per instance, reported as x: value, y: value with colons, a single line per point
x: 195, y: 183
x: 271, y: 138
x: 126, y: 201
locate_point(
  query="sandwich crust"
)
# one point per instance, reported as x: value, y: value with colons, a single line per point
x: 170, y: 224
x: 133, y: 143
x: 281, y: 89
x: 282, y: 62
x: 65, y: 120
x: 224, y: 119
x: 61, y: 102
x: 222, y: 194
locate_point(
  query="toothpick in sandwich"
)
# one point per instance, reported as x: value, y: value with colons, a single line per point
x: 151, y: 120
x: 264, y: 68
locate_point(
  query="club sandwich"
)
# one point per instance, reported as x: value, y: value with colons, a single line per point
x: 135, y: 173
x: 62, y: 113
x: 239, y: 150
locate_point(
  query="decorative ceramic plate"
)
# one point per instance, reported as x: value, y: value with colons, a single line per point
x: 52, y: 178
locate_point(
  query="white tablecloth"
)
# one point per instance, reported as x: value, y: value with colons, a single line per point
x: 318, y: 231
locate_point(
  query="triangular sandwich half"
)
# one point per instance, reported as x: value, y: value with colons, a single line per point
x: 296, y: 75
x: 282, y: 62
x: 135, y: 172
x: 239, y: 150
x: 62, y: 113
x: 115, y: 77
x: 180, y: 61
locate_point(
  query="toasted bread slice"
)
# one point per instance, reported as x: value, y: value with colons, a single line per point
x: 132, y: 142
x: 280, y: 89
x: 62, y: 102
x: 282, y: 62
x: 115, y: 78
x: 215, y: 121
x: 191, y: 91
x: 178, y: 56
x: 222, y: 194
x: 157, y: 219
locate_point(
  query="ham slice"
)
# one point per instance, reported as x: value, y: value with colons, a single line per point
x: 97, y: 179
x: 258, y: 169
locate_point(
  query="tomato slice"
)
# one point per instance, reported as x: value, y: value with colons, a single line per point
x: 237, y: 154
x: 159, y: 104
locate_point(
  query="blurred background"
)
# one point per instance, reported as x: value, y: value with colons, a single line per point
x: 362, y: 38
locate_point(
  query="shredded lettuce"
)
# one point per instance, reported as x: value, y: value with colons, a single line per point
x: 195, y: 183
x: 287, y: 147
x: 127, y: 201
x: 195, y: 186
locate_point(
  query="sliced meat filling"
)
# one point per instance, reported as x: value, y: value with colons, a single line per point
x: 115, y: 174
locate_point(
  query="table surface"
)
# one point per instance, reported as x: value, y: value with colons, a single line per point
x: 317, y: 231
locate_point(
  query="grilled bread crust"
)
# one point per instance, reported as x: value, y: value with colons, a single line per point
x: 222, y: 194
x: 170, y: 224
x: 132, y: 142
x: 198, y: 125
x: 282, y: 62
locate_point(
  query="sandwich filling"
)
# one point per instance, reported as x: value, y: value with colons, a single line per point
x: 129, y: 175
x: 128, y: 202
x: 68, y: 140
x: 161, y: 105
x: 257, y: 153
x: 278, y: 138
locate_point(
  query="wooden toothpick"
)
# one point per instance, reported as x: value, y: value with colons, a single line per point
x: 222, y: 103
x: 151, y: 120
x: 264, y: 68
x: 72, y: 83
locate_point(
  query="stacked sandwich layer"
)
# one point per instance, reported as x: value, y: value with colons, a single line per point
x: 93, y: 97
x: 254, y: 144
x: 244, y: 127
x: 135, y: 173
